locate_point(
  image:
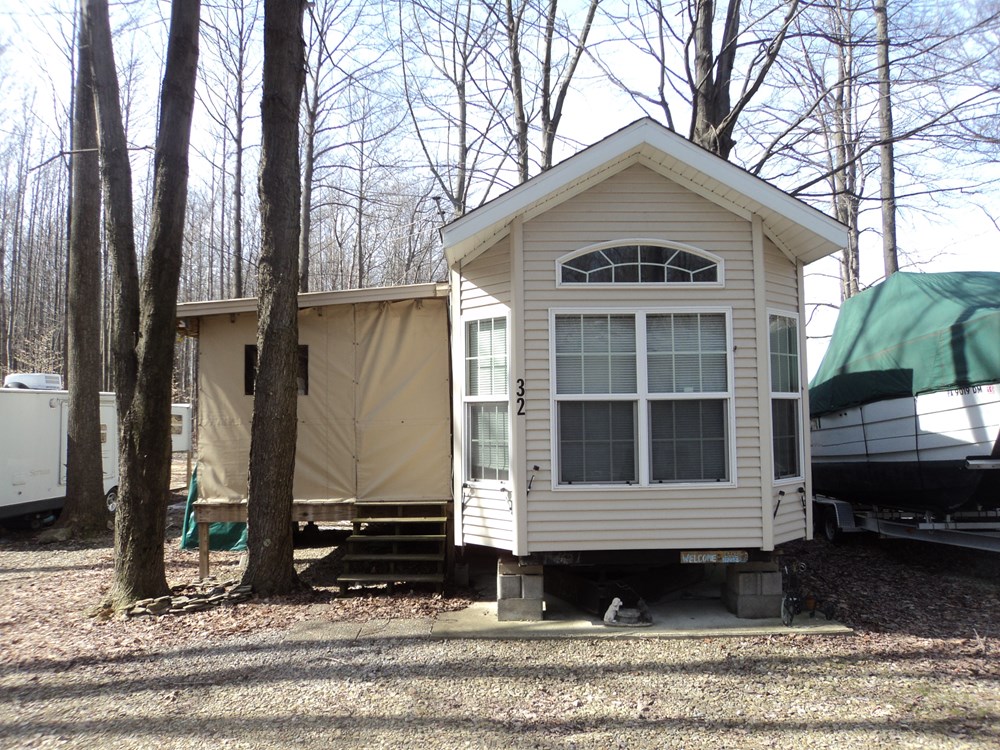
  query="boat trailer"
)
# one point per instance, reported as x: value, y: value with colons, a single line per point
x: 978, y: 530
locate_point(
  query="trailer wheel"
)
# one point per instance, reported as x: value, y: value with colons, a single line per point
x: 111, y: 499
x: 831, y: 529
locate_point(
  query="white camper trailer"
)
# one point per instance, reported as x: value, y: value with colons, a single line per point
x: 33, y: 450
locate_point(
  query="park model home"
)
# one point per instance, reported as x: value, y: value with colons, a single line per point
x: 627, y: 342
x: 623, y: 334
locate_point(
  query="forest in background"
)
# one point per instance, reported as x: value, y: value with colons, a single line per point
x: 417, y: 112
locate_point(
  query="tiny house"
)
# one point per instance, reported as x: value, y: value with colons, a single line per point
x: 615, y: 365
x: 627, y: 347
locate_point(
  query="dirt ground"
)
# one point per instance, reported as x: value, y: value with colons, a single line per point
x: 922, y: 670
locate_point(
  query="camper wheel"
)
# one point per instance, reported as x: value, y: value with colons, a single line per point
x: 111, y: 499
x: 831, y: 527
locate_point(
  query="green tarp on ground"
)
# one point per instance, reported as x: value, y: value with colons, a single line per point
x: 222, y: 536
x: 913, y: 333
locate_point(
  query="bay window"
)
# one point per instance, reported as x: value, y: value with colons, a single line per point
x: 642, y: 398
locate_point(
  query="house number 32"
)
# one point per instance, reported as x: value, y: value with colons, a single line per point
x: 520, y: 397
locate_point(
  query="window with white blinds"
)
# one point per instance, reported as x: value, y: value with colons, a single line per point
x: 595, y: 354
x: 486, y: 389
x: 642, y: 398
x: 786, y: 397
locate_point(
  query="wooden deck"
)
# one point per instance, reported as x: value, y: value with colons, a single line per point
x: 207, y: 512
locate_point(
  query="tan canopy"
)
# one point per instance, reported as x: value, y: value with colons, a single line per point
x: 375, y: 423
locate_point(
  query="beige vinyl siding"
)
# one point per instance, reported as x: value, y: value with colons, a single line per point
x: 783, y: 295
x: 486, y: 518
x: 638, y: 203
x: 486, y: 280
x: 790, y: 523
x: 782, y: 280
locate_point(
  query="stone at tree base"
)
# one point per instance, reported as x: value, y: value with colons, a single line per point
x: 49, y: 536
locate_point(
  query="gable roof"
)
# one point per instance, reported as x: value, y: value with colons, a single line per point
x: 799, y: 230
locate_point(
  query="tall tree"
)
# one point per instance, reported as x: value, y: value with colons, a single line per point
x: 273, y: 429
x: 539, y: 75
x: 887, y: 167
x: 232, y: 27
x: 334, y: 63
x: 714, y: 113
x: 832, y: 122
x: 144, y: 315
x: 721, y: 76
x: 447, y: 58
x: 84, y: 512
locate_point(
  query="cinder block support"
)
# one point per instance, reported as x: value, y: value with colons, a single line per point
x: 532, y: 586
x: 520, y: 591
x: 508, y: 587
x: 753, y: 590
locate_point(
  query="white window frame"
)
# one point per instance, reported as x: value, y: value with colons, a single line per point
x: 468, y: 401
x: 795, y: 396
x: 719, y: 262
x: 642, y: 399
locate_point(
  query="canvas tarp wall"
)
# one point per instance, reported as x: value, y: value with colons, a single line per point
x: 913, y: 333
x: 375, y: 424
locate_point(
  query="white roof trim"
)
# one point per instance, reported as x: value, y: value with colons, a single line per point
x: 649, y: 143
x: 317, y: 299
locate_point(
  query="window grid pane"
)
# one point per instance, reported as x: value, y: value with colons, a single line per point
x: 595, y: 354
x: 785, y: 429
x: 489, y: 442
x: 486, y: 357
x: 688, y: 441
x: 686, y: 353
x: 784, y: 354
x: 597, y: 442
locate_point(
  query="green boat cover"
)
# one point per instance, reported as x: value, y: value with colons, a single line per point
x: 913, y: 333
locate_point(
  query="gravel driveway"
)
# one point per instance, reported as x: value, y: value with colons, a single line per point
x: 921, y: 671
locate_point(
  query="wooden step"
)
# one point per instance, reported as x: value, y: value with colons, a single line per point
x: 396, y: 538
x: 390, y: 578
x: 402, y: 519
x: 390, y: 557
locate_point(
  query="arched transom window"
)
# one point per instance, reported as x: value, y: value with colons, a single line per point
x: 639, y: 264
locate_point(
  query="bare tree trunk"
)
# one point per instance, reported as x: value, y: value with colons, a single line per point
x: 713, y: 115
x: 552, y: 110
x: 359, y: 216
x: 238, y: 196
x: 513, y: 22
x: 845, y: 166
x: 146, y: 334
x: 229, y: 28
x: 116, y: 180
x: 308, y: 172
x: 710, y: 94
x: 84, y: 512
x: 273, y: 428
x: 886, y: 151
